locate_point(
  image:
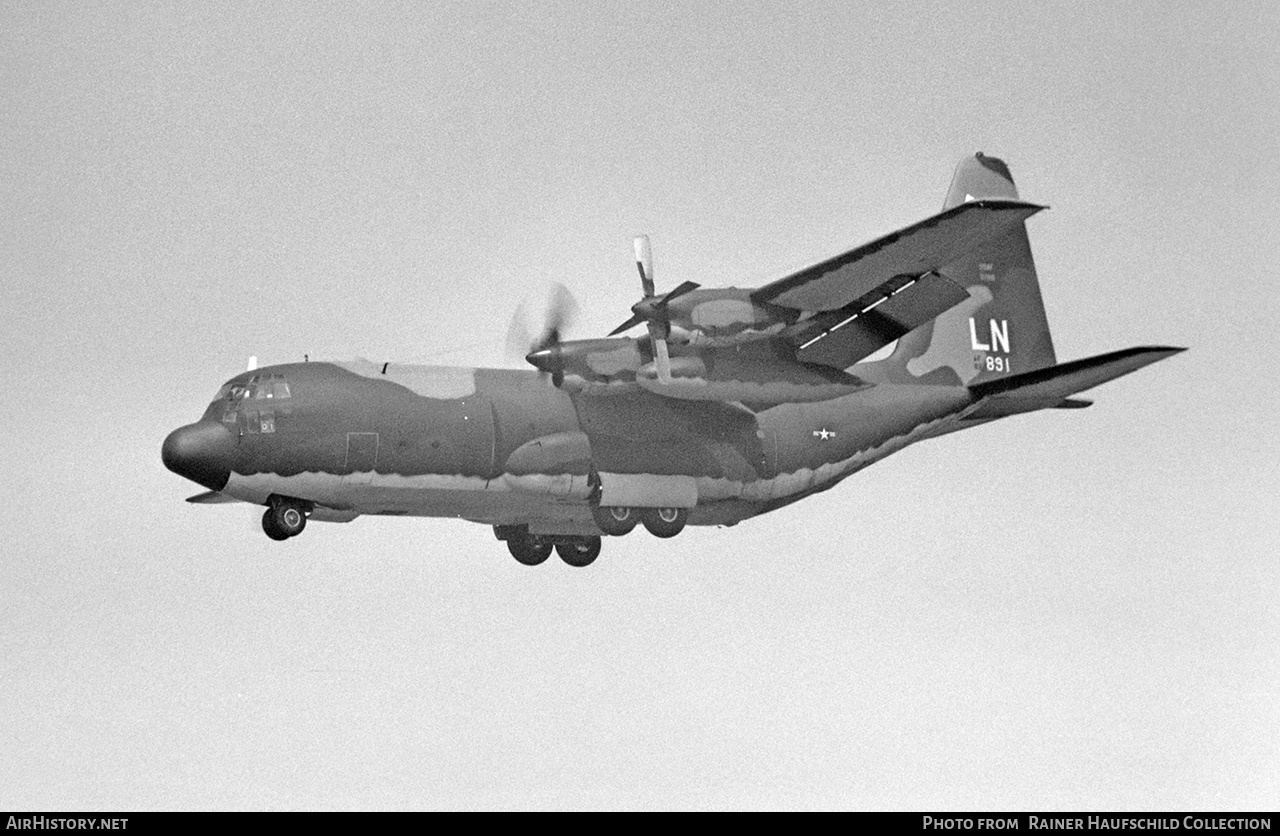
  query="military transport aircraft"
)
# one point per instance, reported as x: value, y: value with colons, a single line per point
x: 733, y: 403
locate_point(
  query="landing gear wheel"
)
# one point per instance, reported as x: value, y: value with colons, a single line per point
x: 269, y: 526
x: 579, y: 551
x: 289, y: 518
x: 665, y: 522
x: 528, y: 549
x: 616, y: 520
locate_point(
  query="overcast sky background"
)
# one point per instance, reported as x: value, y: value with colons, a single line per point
x: 1063, y: 610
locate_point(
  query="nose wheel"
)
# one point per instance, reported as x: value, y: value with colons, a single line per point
x: 285, y: 518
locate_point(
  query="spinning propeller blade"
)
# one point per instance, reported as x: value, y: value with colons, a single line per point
x: 544, y: 352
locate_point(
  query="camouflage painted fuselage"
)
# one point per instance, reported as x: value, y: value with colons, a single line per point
x: 737, y: 401
x: 505, y: 447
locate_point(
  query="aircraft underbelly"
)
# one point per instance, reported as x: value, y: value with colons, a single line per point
x: 807, y: 448
x: 472, y: 498
x: 815, y: 445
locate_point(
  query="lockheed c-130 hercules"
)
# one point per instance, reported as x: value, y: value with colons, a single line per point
x: 735, y: 402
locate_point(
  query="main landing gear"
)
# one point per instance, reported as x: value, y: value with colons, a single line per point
x: 618, y: 520
x: 532, y: 549
x: 284, y: 518
x: 578, y: 550
x: 529, y: 549
x: 665, y: 522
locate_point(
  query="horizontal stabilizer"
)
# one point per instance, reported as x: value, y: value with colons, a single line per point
x: 1053, y: 386
x: 912, y: 251
x: 211, y: 498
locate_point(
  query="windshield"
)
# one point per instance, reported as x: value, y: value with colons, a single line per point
x: 268, y: 387
x: 252, y: 403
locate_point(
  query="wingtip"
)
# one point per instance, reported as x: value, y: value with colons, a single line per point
x: 1155, y: 352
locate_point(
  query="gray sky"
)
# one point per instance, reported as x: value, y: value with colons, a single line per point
x: 1064, y: 610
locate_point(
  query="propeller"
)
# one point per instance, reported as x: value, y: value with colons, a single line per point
x: 544, y: 351
x: 653, y: 309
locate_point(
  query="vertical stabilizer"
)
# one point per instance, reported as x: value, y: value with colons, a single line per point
x: 1001, y: 328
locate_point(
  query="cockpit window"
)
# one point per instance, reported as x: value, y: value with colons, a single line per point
x: 275, y: 389
x: 240, y: 401
x: 259, y: 387
x: 269, y: 387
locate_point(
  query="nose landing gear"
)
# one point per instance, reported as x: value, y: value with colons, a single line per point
x: 284, y: 518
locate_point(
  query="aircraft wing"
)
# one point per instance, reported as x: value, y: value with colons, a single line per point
x: 915, y: 250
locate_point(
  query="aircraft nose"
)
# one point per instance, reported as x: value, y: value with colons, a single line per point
x: 202, y: 452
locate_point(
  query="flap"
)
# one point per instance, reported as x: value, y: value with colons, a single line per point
x: 841, y: 338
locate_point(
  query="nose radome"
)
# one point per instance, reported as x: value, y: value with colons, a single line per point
x: 202, y: 452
